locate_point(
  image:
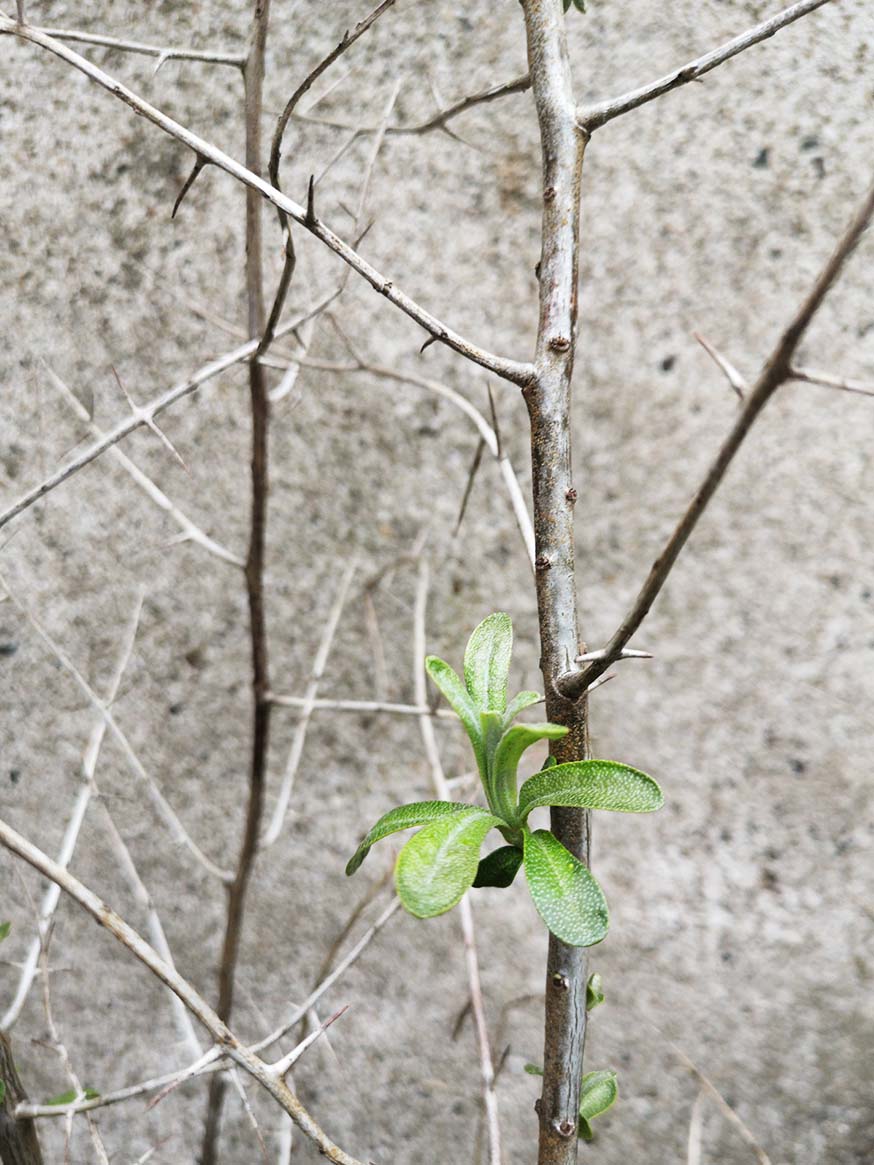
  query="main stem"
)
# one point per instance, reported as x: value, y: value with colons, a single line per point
x: 548, y: 397
x: 254, y: 571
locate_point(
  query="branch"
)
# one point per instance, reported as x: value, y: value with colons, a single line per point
x: 776, y: 372
x: 597, y: 115
x: 441, y: 788
x: 349, y: 38
x: 71, y: 834
x: 162, y: 805
x: 190, y: 532
x: 512, y: 370
x: 163, y: 53
x: 365, y: 706
x: 277, y: 820
x: 199, y: 1008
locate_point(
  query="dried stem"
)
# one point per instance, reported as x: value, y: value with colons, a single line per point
x: 19, y: 1143
x: 253, y: 75
x: 162, y: 52
x: 468, y: 931
x: 777, y: 370
x: 511, y: 370
x: 597, y: 115
x: 199, y: 1008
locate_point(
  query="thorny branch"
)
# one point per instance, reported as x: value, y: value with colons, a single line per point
x: 230, y: 1046
x: 776, y: 372
x: 594, y: 116
x: 511, y: 370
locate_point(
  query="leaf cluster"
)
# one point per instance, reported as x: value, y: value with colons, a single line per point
x: 441, y: 862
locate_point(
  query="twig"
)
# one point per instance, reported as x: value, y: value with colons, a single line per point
x: 190, y: 532
x: 511, y: 370
x: 237, y: 60
x: 167, y: 975
x: 508, y: 474
x: 441, y: 788
x: 277, y: 819
x: 696, y: 1128
x: 283, y: 1067
x: 163, y: 807
x: 71, y: 834
x: 776, y: 372
x: 259, y: 401
x: 349, y: 38
x: 439, y: 120
x: 215, y: 1060
x: 594, y: 116
x: 64, y: 1056
x: 363, y: 706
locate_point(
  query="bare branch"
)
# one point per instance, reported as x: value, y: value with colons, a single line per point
x: 441, y: 788
x: 277, y: 820
x: 349, y: 38
x: 163, y: 53
x: 512, y: 370
x: 776, y: 372
x: 74, y: 825
x: 162, y: 805
x: 363, y: 706
x: 190, y: 531
x: 199, y: 1008
x: 595, y: 116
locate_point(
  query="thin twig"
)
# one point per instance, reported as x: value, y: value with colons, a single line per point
x: 362, y: 706
x: 163, y: 53
x: 259, y: 408
x: 277, y: 819
x: 591, y: 118
x: 190, y: 531
x: 511, y: 370
x: 441, y: 788
x: 776, y: 372
x: 74, y: 825
x: 162, y: 805
x: 199, y: 1008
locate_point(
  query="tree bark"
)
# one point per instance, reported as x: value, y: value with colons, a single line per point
x: 19, y: 1144
x: 548, y: 398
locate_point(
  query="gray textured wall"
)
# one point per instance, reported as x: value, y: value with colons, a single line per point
x: 742, y: 924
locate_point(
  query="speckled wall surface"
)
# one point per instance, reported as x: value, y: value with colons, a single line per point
x: 741, y: 915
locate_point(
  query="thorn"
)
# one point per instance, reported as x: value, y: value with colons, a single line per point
x: 495, y: 425
x: 148, y: 420
x: 311, y: 220
x: 431, y: 340
x: 625, y: 653
x: 477, y: 458
x: 725, y: 366
x: 199, y: 162
x: 611, y: 675
x: 163, y: 58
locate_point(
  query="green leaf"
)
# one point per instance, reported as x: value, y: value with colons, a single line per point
x: 404, y: 817
x: 439, y: 864
x: 507, y: 755
x: 594, y: 992
x: 72, y: 1096
x: 2, y: 1091
x: 519, y: 704
x: 580, y: 5
x: 567, y: 897
x: 499, y: 868
x: 592, y: 784
x: 487, y: 662
x: 5, y: 928
x: 533, y: 1070
x: 457, y: 696
x: 598, y: 1093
